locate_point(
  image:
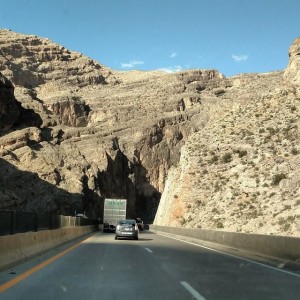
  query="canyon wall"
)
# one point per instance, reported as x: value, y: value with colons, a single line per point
x: 204, y: 150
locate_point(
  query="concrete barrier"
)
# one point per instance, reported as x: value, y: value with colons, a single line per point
x: 22, y: 246
x: 283, y: 247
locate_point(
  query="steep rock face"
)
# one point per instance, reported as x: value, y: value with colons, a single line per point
x: 71, y: 112
x: 9, y: 110
x: 240, y: 173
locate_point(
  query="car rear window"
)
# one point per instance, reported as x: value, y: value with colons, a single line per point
x: 127, y: 222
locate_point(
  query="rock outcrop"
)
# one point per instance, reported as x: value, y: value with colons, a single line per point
x: 195, y: 145
x: 292, y: 73
x: 30, y: 61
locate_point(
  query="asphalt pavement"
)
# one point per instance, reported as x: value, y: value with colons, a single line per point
x: 154, y: 267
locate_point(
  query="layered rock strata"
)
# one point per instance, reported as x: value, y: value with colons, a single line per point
x: 222, y: 151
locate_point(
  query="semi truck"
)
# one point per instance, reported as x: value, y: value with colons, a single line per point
x: 114, y: 211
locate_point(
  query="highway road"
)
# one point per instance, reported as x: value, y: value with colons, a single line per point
x: 154, y: 267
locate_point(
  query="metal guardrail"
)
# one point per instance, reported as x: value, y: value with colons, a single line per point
x: 13, y: 221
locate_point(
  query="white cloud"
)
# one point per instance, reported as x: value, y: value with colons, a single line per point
x: 239, y: 58
x: 174, y: 54
x: 172, y: 69
x: 132, y: 64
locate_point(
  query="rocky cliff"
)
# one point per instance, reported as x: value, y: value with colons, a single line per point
x: 82, y: 132
x: 241, y: 172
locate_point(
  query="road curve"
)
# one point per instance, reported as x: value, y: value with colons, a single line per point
x: 154, y: 267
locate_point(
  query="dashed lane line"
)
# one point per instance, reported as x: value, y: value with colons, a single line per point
x: 149, y: 250
x: 195, y: 294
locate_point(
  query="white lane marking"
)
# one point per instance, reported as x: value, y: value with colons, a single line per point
x: 195, y: 294
x: 238, y: 257
x: 149, y: 250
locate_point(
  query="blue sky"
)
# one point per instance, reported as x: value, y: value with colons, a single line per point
x: 232, y: 36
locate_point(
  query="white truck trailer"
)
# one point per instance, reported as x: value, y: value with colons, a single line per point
x: 114, y: 211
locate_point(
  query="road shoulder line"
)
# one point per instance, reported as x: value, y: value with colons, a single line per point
x: 228, y: 254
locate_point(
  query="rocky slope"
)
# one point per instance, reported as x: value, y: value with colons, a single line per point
x: 82, y: 132
x: 241, y: 173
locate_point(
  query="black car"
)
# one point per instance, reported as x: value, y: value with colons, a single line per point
x: 140, y: 223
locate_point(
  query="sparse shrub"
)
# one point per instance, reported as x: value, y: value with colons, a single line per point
x: 248, y: 132
x: 272, y: 130
x: 294, y: 151
x: 287, y: 129
x: 242, y: 153
x: 277, y: 178
x: 215, y: 210
x: 227, y: 157
x: 183, y: 221
x: 253, y: 214
x: 217, y: 188
x: 214, y: 159
x: 220, y: 225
